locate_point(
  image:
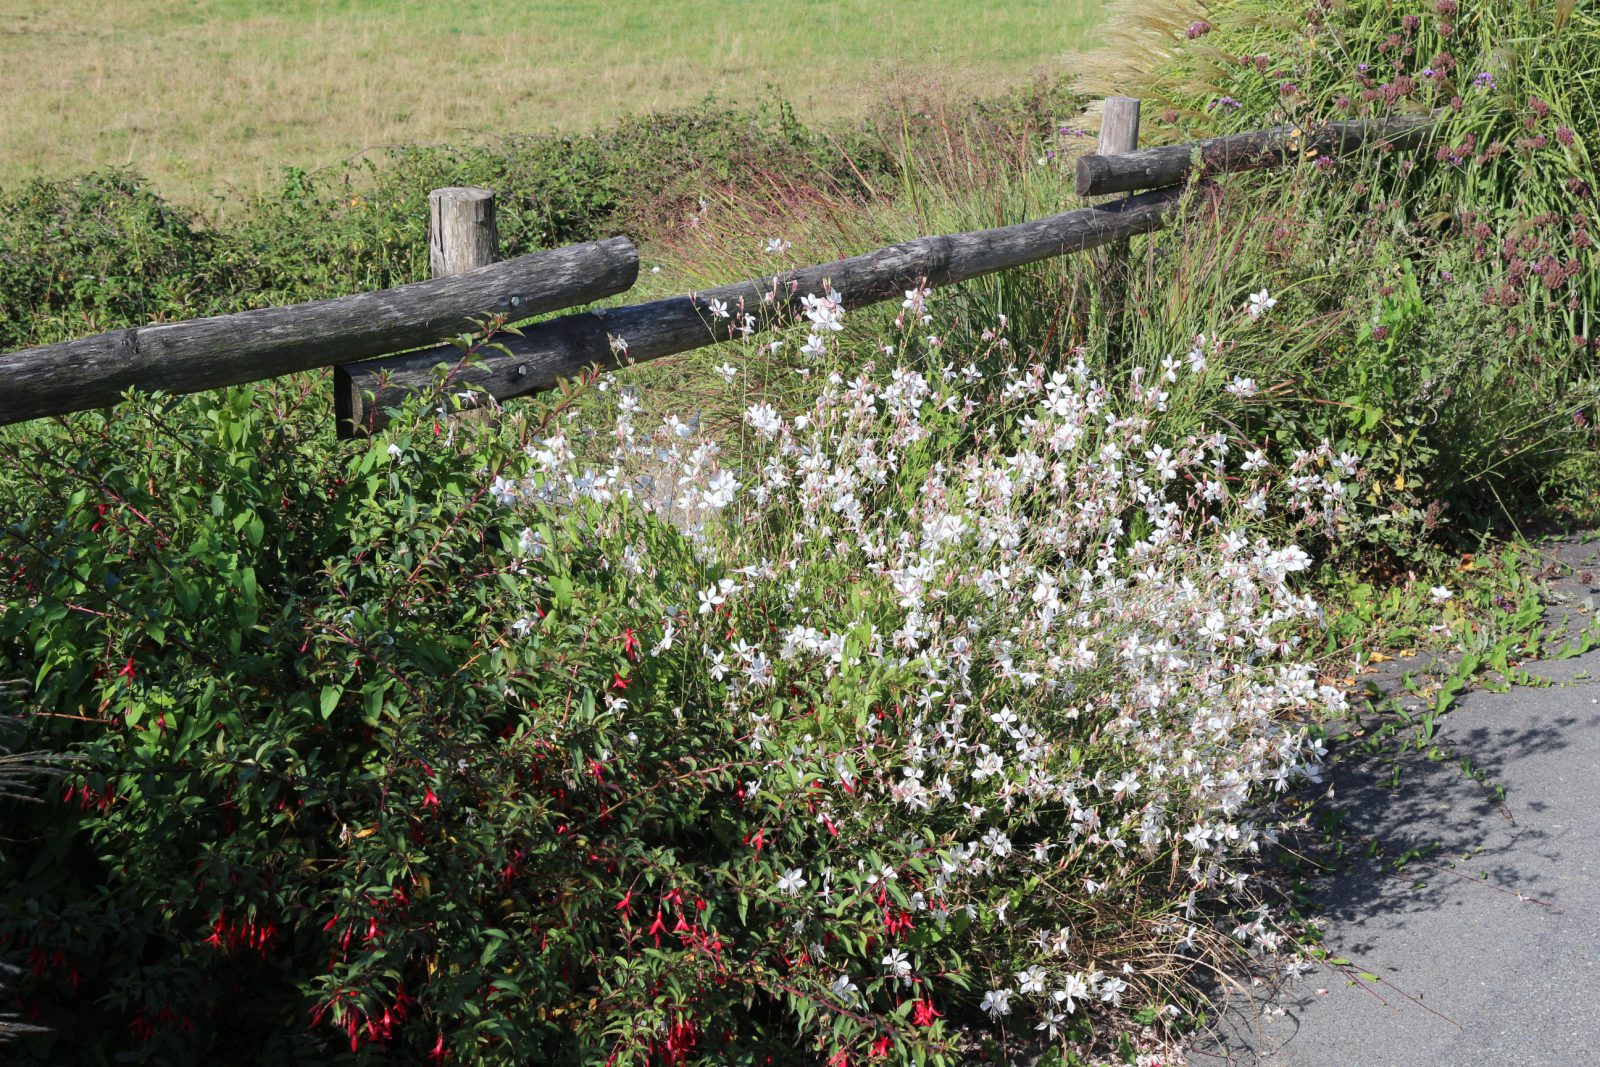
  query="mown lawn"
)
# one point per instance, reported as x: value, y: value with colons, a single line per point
x: 215, y: 96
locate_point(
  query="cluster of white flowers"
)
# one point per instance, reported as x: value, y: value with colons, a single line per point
x: 1101, y: 638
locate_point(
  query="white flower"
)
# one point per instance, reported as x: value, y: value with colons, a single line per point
x: 791, y: 882
x: 1052, y: 1022
x: 395, y: 452
x: 1111, y: 990
x: 726, y: 371
x: 530, y: 543
x: 898, y: 963
x: 1076, y: 989
x: 1243, y: 388
x: 1031, y: 980
x: 1261, y: 303
x: 997, y: 1002
x: 669, y: 630
x: 826, y: 311
x: 763, y: 418
x: 717, y: 307
x: 710, y: 600
x: 997, y: 842
x: 504, y: 492
x: 1440, y: 594
x: 916, y: 300
x: 776, y: 246
x: 719, y: 490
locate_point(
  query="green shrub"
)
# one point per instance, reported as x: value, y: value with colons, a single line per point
x: 557, y: 737
x: 101, y: 252
x: 95, y: 253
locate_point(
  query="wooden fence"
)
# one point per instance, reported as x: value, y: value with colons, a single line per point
x: 357, y: 335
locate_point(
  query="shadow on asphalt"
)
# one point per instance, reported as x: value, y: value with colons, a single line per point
x: 1408, y: 828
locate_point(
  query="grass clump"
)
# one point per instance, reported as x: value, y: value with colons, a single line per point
x: 1513, y: 87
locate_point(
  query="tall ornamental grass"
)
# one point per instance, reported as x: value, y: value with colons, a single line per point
x: 1515, y: 87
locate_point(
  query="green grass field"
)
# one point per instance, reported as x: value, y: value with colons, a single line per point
x: 214, y: 96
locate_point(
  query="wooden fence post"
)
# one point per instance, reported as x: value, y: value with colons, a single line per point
x: 461, y: 230
x: 1119, y: 132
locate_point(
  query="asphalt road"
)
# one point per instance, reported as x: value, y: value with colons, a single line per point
x: 1487, y: 946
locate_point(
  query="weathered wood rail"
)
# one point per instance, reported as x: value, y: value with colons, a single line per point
x: 1152, y: 168
x: 200, y: 354
x: 564, y: 346
x: 357, y: 335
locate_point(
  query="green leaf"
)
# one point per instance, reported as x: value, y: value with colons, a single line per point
x: 330, y: 698
x: 372, y: 702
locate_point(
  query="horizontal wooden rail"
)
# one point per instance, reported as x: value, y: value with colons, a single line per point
x: 1152, y: 168
x: 188, y: 357
x: 562, y: 347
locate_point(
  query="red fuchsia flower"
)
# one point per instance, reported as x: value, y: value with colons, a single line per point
x: 924, y: 1013
x: 630, y: 643
x: 430, y: 799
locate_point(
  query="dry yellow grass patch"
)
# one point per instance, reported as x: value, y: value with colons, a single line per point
x: 213, y: 96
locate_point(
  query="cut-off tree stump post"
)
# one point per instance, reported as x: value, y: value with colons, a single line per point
x: 462, y: 236
x: 1119, y: 132
x: 461, y: 230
